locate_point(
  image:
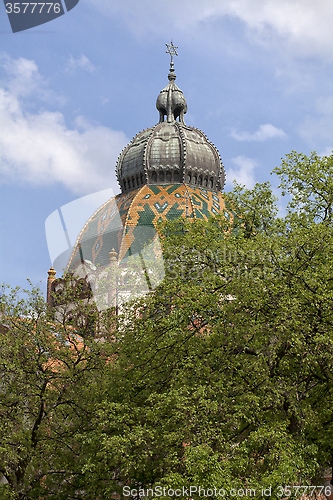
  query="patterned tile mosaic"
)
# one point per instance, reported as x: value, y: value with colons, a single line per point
x: 128, y: 221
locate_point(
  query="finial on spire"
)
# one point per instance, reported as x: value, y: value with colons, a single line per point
x: 172, y: 50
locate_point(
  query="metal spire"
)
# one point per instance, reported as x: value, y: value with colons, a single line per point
x: 173, y: 52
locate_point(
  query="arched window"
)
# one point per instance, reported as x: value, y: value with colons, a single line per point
x: 194, y: 179
x: 125, y: 185
x: 189, y: 178
x: 206, y: 182
x: 161, y: 176
x: 129, y: 183
x: 176, y: 176
x: 200, y: 181
x: 137, y: 181
x: 154, y: 176
x: 169, y: 177
x: 211, y: 184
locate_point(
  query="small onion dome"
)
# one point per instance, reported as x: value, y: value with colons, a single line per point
x: 171, y: 102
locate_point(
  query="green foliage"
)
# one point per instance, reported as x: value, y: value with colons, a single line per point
x: 45, y: 372
x: 309, y: 181
x: 225, y: 378
x: 222, y: 377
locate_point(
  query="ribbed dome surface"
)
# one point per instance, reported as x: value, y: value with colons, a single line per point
x: 170, y: 152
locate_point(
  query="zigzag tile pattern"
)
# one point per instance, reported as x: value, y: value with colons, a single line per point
x: 128, y: 221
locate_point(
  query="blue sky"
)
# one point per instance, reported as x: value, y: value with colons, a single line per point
x: 257, y: 76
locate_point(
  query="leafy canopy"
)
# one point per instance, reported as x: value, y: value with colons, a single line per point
x: 222, y: 377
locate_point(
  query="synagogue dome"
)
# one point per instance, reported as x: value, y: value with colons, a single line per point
x: 168, y: 171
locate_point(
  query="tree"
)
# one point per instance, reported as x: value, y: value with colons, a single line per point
x: 225, y: 377
x: 220, y: 378
x: 47, y: 373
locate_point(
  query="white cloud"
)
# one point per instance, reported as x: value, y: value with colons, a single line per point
x: 80, y: 63
x: 264, y: 132
x: 244, y: 174
x: 304, y: 26
x: 40, y: 149
x: 22, y: 78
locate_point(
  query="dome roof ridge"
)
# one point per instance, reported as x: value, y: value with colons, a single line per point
x: 202, y: 132
x: 119, y: 163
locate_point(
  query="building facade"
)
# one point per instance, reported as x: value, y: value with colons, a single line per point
x: 168, y: 171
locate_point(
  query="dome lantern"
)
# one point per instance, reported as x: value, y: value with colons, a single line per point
x: 171, y: 101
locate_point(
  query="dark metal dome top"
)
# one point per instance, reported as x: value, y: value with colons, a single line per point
x: 170, y: 152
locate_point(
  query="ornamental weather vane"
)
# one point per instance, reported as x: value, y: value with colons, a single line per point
x: 172, y: 51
